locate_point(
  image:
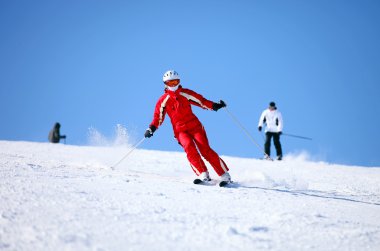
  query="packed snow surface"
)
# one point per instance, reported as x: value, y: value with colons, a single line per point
x: 63, y: 197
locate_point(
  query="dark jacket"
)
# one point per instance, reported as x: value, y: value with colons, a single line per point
x: 54, y: 134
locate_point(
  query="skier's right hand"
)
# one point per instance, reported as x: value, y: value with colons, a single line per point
x: 149, y: 132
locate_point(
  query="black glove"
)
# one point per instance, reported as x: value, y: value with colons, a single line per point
x: 260, y: 128
x: 149, y: 132
x: 279, y: 133
x: 217, y: 106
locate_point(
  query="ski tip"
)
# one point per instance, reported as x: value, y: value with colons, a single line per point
x: 224, y: 183
x: 197, y: 181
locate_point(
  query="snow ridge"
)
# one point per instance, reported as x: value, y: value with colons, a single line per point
x: 62, y: 197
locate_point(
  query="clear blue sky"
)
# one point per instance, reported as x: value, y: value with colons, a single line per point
x: 100, y: 63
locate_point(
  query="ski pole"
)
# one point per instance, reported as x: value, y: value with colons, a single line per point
x: 126, y: 155
x: 296, y: 136
x: 247, y: 133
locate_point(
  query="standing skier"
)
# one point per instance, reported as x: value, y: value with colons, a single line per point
x: 274, y: 124
x: 55, y: 135
x: 188, y: 130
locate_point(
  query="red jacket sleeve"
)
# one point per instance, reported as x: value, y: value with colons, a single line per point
x: 197, y: 99
x: 159, y: 111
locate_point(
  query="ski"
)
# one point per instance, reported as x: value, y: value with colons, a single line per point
x: 224, y: 183
x: 212, y: 183
x: 198, y: 181
x: 202, y: 182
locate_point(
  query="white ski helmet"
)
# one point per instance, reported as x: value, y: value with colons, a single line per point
x: 170, y: 75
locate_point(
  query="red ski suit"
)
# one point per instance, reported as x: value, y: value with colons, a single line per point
x: 187, y: 128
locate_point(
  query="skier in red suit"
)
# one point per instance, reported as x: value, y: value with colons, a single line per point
x: 176, y: 103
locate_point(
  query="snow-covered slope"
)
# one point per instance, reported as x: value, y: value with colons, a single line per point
x: 61, y: 197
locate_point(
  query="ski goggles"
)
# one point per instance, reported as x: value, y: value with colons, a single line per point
x: 172, y: 83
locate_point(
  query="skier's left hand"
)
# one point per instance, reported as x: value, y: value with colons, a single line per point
x: 217, y: 106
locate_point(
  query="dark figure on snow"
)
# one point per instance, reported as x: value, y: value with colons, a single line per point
x: 54, y: 134
x: 274, y: 124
